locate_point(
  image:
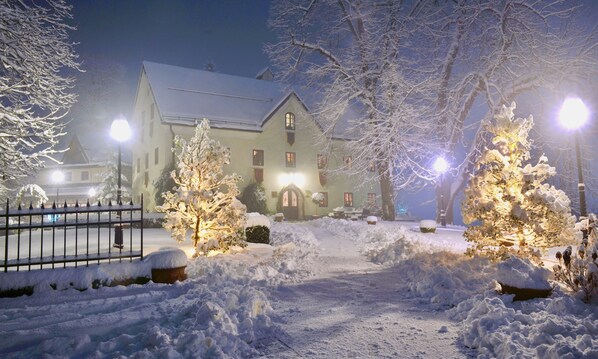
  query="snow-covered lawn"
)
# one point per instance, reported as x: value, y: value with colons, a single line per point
x: 324, y: 289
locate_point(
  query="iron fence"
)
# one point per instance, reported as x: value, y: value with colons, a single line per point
x: 70, y: 235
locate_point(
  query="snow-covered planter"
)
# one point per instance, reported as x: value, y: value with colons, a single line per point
x: 278, y: 217
x: 372, y: 220
x: 427, y: 226
x: 168, y: 265
x: 520, y: 277
x: 257, y: 228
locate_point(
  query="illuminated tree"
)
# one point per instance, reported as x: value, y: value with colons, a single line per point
x: 516, y: 211
x: 204, y: 199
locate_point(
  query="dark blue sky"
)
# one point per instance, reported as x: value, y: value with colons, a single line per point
x: 178, y: 32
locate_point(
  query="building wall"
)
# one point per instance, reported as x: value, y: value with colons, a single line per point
x: 272, y: 140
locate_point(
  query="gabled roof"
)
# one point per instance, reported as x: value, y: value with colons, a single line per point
x: 75, y: 154
x: 185, y: 95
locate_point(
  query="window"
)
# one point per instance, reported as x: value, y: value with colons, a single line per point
x: 323, y: 178
x: 258, y: 174
x: 348, y: 160
x: 152, y: 112
x: 258, y: 157
x: 322, y: 161
x: 324, y: 201
x: 151, y: 129
x: 156, y: 155
x: 289, y: 121
x: 84, y: 175
x: 290, y: 159
x: 146, y: 178
x: 146, y: 160
x: 142, y: 125
x: 372, y: 166
x: 138, y: 164
x: 348, y: 199
x: 68, y: 176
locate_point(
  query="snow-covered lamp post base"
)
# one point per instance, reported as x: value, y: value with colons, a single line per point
x: 168, y: 265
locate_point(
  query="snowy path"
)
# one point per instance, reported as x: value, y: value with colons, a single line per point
x: 353, y: 309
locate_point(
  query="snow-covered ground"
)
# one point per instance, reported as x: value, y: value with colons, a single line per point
x: 324, y: 289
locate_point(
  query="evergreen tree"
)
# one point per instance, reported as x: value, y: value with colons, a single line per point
x: 516, y: 211
x: 109, y: 186
x: 254, y: 197
x: 204, y: 199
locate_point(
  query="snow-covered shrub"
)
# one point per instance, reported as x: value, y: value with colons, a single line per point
x: 517, y: 213
x: 521, y: 273
x: 254, y: 198
x: 257, y: 228
x: 579, y: 271
x: 35, y: 192
x: 427, y: 226
x: 107, y: 191
x: 204, y: 199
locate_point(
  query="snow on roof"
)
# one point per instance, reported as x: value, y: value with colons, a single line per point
x: 185, y: 95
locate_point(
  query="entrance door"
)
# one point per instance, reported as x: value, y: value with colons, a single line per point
x: 290, y: 204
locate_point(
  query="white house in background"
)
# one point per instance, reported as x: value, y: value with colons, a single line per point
x: 271, y: 136
x: 81, y: 172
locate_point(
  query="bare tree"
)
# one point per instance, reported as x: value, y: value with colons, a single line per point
x: 34, y: 92
x: 425, y: 75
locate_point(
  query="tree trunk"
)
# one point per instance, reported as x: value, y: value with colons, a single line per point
x: 387, y: 192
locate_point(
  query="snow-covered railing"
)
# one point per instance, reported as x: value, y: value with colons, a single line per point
x: 79, y: 234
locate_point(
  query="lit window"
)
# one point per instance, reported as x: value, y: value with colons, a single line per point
x: 289, y: 121
x: 348, y: 160
x: 156, y: 155
x: 290, y: 159
x: 348, y: 199
x: 322, y: 161
x: 258, y: 157
x: 84, y: 175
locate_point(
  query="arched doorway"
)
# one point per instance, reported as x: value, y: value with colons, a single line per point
x: 290, y: 202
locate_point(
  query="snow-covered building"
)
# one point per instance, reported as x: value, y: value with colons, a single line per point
x: 79, y: 174
x: 268, y: 129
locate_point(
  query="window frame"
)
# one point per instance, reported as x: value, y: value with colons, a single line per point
x: 289, y: 121
x: 258, y: 157
x: 290, y: 160
x: 348, y: 199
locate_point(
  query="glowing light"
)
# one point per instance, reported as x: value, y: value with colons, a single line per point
x: 440, y: 165
x: 57, y: 177
x: 573, y: 114
x: 91, y: 192
x: 286, y: 179
x: 120, y: 130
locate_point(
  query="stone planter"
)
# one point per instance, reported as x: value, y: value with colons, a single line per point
x: 372, y: 220
x: 278, y: 217
x: 524, y: 293
x: 168, y: 275
x: 427, y: 226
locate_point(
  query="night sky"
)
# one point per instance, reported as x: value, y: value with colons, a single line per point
x: 229, y: 33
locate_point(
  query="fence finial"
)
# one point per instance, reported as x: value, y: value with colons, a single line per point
x: 88, y: 205
x: 42, y: 206
x: 19, y: 207
x: 109, y: 202
x: 99, y: 203
x: 65, y: 205
x: 31, y: 205
x: 54, y: 205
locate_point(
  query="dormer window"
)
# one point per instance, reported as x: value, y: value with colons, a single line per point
x: 289, y: 121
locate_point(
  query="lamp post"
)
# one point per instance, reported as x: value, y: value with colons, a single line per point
x: 573, y: 115
x: 57, y: 178
x: 440, y: 167
x: 120, y: 131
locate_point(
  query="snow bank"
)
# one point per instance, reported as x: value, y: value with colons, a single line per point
x: 556, y: 327
x: 341, y: 227
x: 521, y: 273
x: 382, y: 246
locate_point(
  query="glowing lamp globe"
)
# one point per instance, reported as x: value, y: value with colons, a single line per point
x: 440, y: 165
x: 120, y: 130
x: 573, y: 114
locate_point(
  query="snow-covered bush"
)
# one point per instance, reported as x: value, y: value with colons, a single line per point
x: 254, y: 198
x: 427, y: 226
x: 257, y: 228
x: 107, y: 191
x: 35, y: 192
x: 516, y: 211
x: 204, y: 199
x: 579, y: 272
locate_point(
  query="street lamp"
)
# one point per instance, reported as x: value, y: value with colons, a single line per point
x: 440, y: 167
x: 573, y: 115
x: 57, y: 178
x: 120, y: 131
